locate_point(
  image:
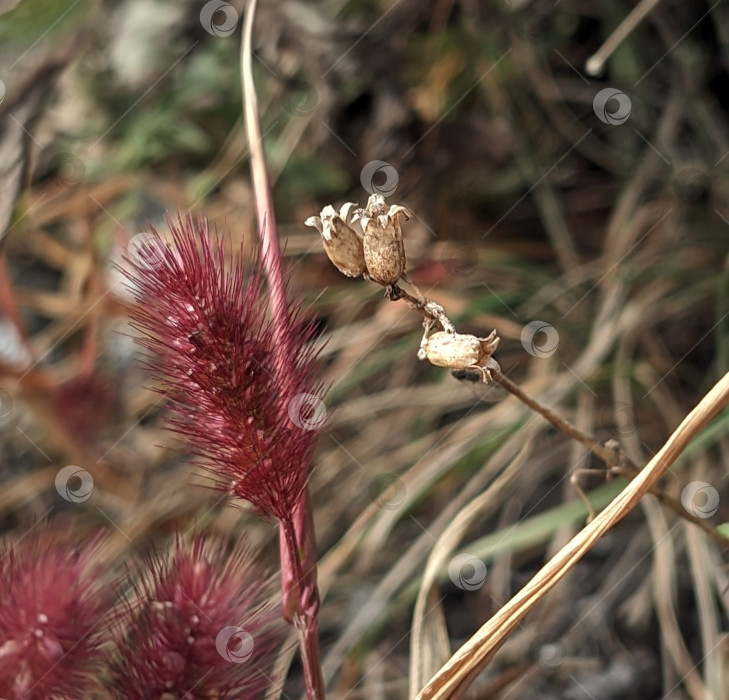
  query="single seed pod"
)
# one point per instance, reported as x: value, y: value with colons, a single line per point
x: 384, y: 251
x: 342, y: 243
x: 461, y: 351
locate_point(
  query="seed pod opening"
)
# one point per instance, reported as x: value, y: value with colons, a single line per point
x: 342, y: 243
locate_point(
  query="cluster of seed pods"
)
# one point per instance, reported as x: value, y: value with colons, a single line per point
x: 368, y: 242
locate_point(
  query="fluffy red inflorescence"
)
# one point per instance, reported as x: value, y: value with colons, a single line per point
x: 238, y: 390
x: 200, y: 625
x: 52, y: 618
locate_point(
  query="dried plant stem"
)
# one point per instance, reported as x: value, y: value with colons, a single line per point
x: 611, y: 454
x: 297, y: 542
x: 458, y: 673
x: 596, y: 62
x: 606, y: 455
x: 270, y: 248
x: 433, y: 313
x: 675, y: 506
x: 304, y: 614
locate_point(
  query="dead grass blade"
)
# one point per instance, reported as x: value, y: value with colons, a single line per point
x: 456, y: 676
x: 428, y: 618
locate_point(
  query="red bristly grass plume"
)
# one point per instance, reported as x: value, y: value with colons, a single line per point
x: 52, y: 617
x: 240, y: 373
x: 200, y: 623
x: 209, y: 327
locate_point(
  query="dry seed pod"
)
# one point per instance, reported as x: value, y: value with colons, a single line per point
x: 384, y: 252
x: 460, y: 351
x: 342, y: 243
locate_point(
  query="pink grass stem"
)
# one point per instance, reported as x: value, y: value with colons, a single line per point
x: 297, y: 541
x: 305, y: 598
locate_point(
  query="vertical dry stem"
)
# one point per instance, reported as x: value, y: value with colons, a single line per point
x: 297, y: 541
x: 305, y: 614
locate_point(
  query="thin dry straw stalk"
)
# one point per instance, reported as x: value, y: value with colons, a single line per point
x: 596, y: 62
x: 459, y: 672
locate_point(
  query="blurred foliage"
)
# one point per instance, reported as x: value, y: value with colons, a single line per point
x: 31, y: 21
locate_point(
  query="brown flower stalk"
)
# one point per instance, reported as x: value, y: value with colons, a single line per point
x: 457, y: 351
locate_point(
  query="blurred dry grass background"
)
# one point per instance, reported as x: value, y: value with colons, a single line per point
x: 526, y: 207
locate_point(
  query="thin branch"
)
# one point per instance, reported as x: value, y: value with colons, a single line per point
x: 611, y: 454
x: 429, y: 309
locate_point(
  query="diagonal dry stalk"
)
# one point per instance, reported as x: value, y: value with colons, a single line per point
x: 611, y: 454
x: 458, y: 673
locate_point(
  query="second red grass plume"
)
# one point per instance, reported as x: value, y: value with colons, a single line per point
x: 52, y: 609
x: 200, y: 623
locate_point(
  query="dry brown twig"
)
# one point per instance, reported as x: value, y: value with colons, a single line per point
x: 345, y: 243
